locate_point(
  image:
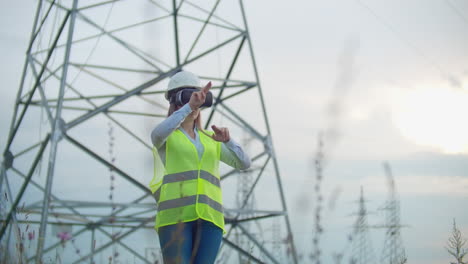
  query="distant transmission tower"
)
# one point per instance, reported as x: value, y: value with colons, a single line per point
x: 245, y: 200
x: 277, y: 240
x: 361, y: 245
x: 393, y: 251
x: 87, y: 70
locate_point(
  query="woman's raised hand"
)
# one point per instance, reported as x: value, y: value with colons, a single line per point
x: 198, y: 98
x: 221, y: 134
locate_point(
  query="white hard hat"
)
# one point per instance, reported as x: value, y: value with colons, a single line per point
x: 183, y: 79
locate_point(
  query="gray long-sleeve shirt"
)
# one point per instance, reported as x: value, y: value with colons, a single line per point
x: 231, y: 152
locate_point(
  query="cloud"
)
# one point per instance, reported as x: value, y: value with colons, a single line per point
x: 454, y: 81
x: 455, y: 186
x: 433, y: 116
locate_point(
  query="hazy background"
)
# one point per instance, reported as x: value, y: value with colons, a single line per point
x: 398, y: 72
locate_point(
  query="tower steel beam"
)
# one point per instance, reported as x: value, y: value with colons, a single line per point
x: 18, y: 123
x: 275, y: 162
x: 120, y: 79
x: 108, y: 164
x: 55, y: 137
x: 233, y: 63
x: 23, y: 77
x: 242, y: 251
x: 120, y: 237
x: 23, y: 187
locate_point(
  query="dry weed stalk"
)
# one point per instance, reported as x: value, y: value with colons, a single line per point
x: 456, y: 244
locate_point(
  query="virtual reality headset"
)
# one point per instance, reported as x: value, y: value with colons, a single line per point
x: 182, y: 97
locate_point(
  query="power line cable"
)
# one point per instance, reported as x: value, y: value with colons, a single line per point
x: 404, y: 40
x: 94, y: 47
x: 457, y: 11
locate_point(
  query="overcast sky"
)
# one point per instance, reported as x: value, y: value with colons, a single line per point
x: 398, y: 72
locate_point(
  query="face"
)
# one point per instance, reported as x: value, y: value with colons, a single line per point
x: 192, y: 115
x: 195, y: 114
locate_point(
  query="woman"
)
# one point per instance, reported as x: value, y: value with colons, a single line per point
x: 186, y: 184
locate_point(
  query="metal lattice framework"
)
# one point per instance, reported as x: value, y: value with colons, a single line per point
x: 77, y: 161
x: 361, y: 245
x: 393, y: 251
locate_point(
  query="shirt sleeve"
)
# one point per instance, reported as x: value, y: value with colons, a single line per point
x: 233, y: 155
x: 162, y: 131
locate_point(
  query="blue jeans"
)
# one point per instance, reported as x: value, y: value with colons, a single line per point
x: 194, y: 242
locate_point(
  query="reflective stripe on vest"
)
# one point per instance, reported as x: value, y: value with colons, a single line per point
x: 185, y: 176
x: 191, y: 175
x: 189, y: 200
x: 190, y: 187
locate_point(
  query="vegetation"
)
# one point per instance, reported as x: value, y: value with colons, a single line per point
x: 456, y: 244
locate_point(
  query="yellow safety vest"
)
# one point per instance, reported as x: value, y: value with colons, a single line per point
x: 187, y: 188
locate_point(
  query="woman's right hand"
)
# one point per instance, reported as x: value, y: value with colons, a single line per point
x: 198, y: 98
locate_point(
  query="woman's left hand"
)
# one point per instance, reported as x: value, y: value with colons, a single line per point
x: 221, y: 134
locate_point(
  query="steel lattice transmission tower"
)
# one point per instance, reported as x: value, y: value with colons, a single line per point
x: 361, y: 245
x: 393, y: 251
x: 78, y: 157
